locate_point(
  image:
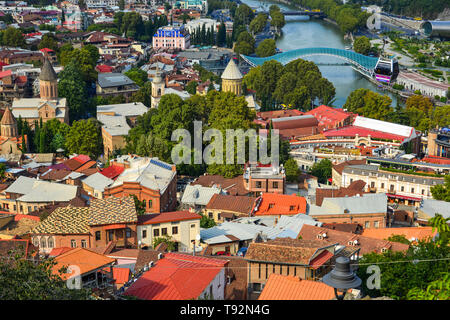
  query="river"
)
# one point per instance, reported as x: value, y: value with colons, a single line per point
x: 303, y: 32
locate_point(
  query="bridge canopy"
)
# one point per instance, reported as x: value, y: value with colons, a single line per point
x: 360, y: 61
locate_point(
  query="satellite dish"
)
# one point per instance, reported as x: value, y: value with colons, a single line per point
x: 197, y: 237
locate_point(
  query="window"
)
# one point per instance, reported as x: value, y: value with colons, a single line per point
x: 372, y: 184
x: 174, y: 230
x: 83, y: 243
x: 382, y: 186
x: 110, y: 235
x: 271, y: 205
x: 392, y: 187
x: 164, y: 231
x: 150, y: 203
x: 351, y: 180
x: 43, y: 243
x: 50, y: 242
x: 73, y: 243
x: 259, y: 270
x: 275, y: 185
x: 128, y: 233
x: 367, y: 224
x: 423, y: 191
x: 210, y: 215
x: 29, y: 208
x: 192, y: 225
x: 376, y: 224
x: 144, y: 233
x: 258, y: 184
x: 291, y: 208
x: 412, y: 190
x: 156, y: 232
x: 402, y: 188
x: 36, y: 242
x: 97, y: 235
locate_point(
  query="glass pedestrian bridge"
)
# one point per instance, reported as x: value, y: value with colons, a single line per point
x: 363, y: 64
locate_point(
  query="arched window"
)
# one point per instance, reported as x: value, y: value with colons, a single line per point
x: 36, y: 242
x: 43, y: 243
x: 50, y: 242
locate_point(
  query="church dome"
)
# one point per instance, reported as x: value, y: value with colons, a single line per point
x: 231, y: 72
x: 47, y: 72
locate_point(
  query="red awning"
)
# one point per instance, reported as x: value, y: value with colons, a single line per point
x: 319, y: 261
x: 397, y: 196
x: 116, y: 226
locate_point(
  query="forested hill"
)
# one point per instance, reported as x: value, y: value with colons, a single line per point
x: 426, y: 9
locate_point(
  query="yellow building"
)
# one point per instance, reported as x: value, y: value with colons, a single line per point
x: 232, y: 79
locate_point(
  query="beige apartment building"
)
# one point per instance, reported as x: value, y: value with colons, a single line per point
x: 406, y: 188
x: 182, y: 226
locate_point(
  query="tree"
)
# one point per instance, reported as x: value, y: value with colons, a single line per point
x: 48, y: 41
x: 13, y: 37
x: 420, y: 102
x: 143, y: 94
x: 403, y: 271
x: 140, y: 205
x: 277, y: 19
x: 243, y: 15
x: 23, y: 279
x: 362, y: 45
x: 139, y: 76
x: 259, y: 23
x: 191, y: 87
x: 85, y: 137
x: 292, y: 170
x: 442, y: 192
x: 398, y: 238
x: 436, y: 290
x: 122, y: 4
x: 221, y: 35
x: 206, y: 222
x: 369, y: 104
x: 2, y: 170
x: 72, y: 86
x: 266, y: 48
x: 164, y: 239
x: 322, y: 170
x: 440, y: 224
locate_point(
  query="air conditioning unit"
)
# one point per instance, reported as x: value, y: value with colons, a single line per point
x: 160, y: 255
x: 150, y: 264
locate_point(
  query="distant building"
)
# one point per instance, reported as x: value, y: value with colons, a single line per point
x: 331, y: 118
x: 48, y: 106
x: 170, y: 37
x: 413, y: 81
x: 10, y: 142
x: 200, y: 5
x: 232, y: 79
x: 181, y: 226
x: 400, y: 187
x: 272, y: 204
x: 151, y: 180
x: 296, y: 126
x: 264, y: 178
x: 115, y: 84
x: 439, y: 144
x: 117, y: 120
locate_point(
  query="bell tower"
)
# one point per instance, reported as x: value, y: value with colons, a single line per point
x: 48, y: 82
x: 157, y: 88
x: 9, y: 125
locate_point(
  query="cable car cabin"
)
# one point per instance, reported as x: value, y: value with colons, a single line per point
x: 386, y: 70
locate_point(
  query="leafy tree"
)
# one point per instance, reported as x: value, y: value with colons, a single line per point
x: 420, y: 102
x: 442, y: 192
x: 243, y: 15
x: 440, y: 224
x: 139, y: 76
x: 143, y: 94
x: 221, y: 35
x: 403, y: 271
x: 292, y: 170
x: 322, y: 170
x: 2, y: 170
x: 85, y: 137
x: 206, y: 222
x: 164, y: 239
x: 398, y: 238
x: 72, y: 86
x: 48, y: 41
x: 191, y: 87
x: 140, y: 205
x: 436, y: 290
x: 23, y: 279
x: 245, y: 44
x: 259, y: 23
x: 362, y: 45
x: 369, y: 104
x: 277, y: 19
x: 121, y: 4
x: 266, y: 48
x: 13, y: 37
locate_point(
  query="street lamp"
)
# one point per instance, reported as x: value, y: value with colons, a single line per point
x: 342, y: 278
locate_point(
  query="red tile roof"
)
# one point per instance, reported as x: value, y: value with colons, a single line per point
x: 328, y: 117
x: 352, y: 131
x: 176, y: 277
x: 58, y: 251
x: 240, y: 204
x: 167, y: 217
x: 103, y: 68
x: 280, y: 204
x: 112, y: 172
x: 6, y: 73
x: 121, y: 275
x: 82, y: 158
x: 46, y: 50
x: 87, y: 165
x: 280, y: 287
x: 419, y: 233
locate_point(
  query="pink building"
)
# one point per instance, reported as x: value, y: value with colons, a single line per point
x: 171, y: 37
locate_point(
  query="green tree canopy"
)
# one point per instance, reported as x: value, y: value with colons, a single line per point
x: 84, y: 137
x: 362, y: 45
x: 164, y: 239
x: 292, y: 170
x: 139, y: 76
x: 266, y: 48
x: 442, y: 192
x: 369, y: 104
x: 322, y: 170
x: 13, y: 37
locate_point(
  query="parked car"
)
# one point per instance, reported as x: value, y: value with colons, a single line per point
x: 222, y: 253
